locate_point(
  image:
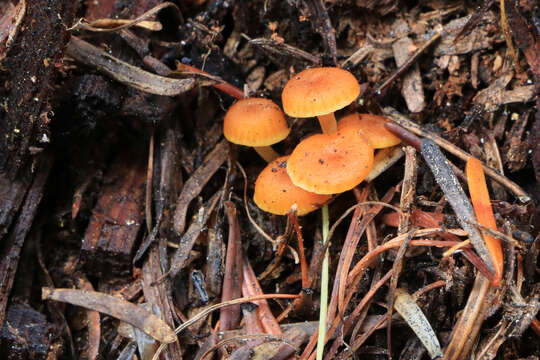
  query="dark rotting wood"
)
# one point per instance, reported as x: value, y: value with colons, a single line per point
x: 111, y: 235
x: 11, y: 250
x: 30, y: 67
x: 26, y: 334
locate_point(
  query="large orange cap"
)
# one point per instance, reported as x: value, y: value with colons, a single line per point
x: 255, y: 122
x: 331, y: 163
x: 373, y: 128
x: 319, y: 91
x: 275, y: 193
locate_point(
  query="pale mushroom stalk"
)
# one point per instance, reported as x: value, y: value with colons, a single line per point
x: 267, y: 153
x: 328, y: 123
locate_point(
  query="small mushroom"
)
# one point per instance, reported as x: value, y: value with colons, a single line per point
x: 275, y: 193
x: 256, y: 122
x: 319, y: 92
x: 334, y: 161
x: 331, y: 163
x: 373, y: 128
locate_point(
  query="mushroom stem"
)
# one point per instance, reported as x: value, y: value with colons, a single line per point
x: 328, y: 123
x: 267, y: 153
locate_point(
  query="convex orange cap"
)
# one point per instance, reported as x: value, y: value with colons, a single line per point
x: 275, y: 193
x: 331, y: 163
x: 373, y: 128
x: 319, y: 91
x: 255, y: 122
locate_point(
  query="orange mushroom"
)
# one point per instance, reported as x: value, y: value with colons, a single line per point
x: 256, y: 122
x: 482, y: 208
x: 319, y: 92
x: 331, y: 163
x: 334, y: 161
x: 373, y: 128
x: 275, y: 193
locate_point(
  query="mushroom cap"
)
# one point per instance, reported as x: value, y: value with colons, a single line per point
x: 319, y: 91
x: 275, y: 193
x: 373, y: 128
x: 331, y: 163
x: 255, y: 122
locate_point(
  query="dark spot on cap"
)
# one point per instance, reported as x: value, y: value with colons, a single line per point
x: 321, y: 161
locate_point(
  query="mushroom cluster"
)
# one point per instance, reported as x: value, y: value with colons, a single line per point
x: 321, y: 165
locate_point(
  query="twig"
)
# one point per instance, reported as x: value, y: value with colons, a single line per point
x: 352, y: 239
x: 463, y: 328
x: 181, y: 255
x: 507, y: 36
x: 196, y: 182
x: 94, y: 26
x: 404, y: 122
x: 94, y: 326
x: 455, y: 248
x: 281, y: 48
x: 397, y: 267
x: 221, y: 85
x: 356, y: 312
x: 361, y: 265
x: 429, y: 287
x: 265, y: 337
x: 303, y: 263
x: 126, y: 73
x: 408, y: 190
x: 455, y: 195
x: 215, y: 307
x: 356, y: 273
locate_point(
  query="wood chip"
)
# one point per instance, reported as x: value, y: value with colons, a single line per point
x: 412, y: 89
